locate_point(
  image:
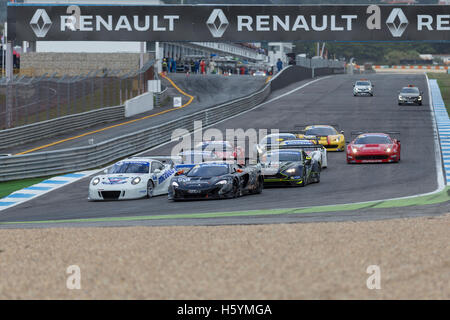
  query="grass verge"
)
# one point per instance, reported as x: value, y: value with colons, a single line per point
x: 8, y: 187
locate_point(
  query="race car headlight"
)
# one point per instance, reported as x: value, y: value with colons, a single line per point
x: 420, y: 98
x: 96, y: 181
x: 222, y: 182
x: 354, y: 150
x: 135, y: 180
x: 400, y: 98
x: 291, y: 170
x: 175, y: 184
x: 388, y: 149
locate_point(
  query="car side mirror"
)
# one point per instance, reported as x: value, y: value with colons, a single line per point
x: 353, y: 85
x: 105, y: 171
x: 373, y: 86
x: 342, y: 131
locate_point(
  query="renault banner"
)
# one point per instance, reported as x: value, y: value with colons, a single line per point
x: 229, y: 23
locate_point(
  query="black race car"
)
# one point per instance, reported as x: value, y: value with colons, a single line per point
x: 410, y: 95
x: 216, y: 180
x: 289, y: 167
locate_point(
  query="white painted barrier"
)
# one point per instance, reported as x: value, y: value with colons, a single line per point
x: 139, y: 104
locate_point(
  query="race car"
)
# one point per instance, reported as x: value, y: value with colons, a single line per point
x: 373, y: 148
x: 133, y: 178
x: 289, y: 167
x: 363, y: 87
x: 272, y: 139
x: 216, y: 180
x: 327, y: 136
x: 222, y: 149
x: 410, y: 95
x: 314, y: 150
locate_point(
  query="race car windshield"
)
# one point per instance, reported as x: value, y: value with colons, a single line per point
x: 322, y: 131
x: 276, y: 138
x: 208, y: 171
x: 363, y: 83
x: 129, y: 167
x: 282, y: 157
x: 373, y: 140
x: 409, y: 90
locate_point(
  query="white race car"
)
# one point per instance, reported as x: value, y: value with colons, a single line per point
x: 273, y: 139
x: 133, y: 178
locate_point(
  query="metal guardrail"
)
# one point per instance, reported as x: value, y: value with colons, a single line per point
x: 49, y: 128
x: 82, y: 158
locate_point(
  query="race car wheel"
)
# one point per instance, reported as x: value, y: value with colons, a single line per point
x: 304, y: 181
x: 318, y: 177
x: 236, y: 190
x: 420, y: 103
x: 150, y: 188
x: 260, y: 185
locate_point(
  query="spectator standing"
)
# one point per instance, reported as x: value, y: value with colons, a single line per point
x: 279, y: 65
x: 202, y: 67
x: 212, y: 66
x: 164, y: 65
x: 196, y: 66
x: 174, y: 66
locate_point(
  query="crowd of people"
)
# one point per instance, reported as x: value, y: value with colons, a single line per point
x: 210, y: 66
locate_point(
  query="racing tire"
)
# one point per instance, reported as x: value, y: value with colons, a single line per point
x: 304, y: 181
x: 420, y: 103
x: 260, y: 187
x: 150, y: 189
x: 318, y: 178
x: 236, y: 189
x: 399, y: 103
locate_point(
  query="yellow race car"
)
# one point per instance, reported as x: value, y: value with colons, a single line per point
x: 326, y: 135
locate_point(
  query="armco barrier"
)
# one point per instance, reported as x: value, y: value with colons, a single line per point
x: 53, y: 127
x: 82, y: 158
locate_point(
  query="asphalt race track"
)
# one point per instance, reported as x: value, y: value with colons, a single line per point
x: 328, y: 101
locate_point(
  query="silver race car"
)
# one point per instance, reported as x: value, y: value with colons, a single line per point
x: 363, y: 87
x: 133, y: 178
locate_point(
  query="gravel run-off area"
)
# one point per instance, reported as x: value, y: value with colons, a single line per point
x: 282, y: 261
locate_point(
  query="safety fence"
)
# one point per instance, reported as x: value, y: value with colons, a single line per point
x: 26, y: 100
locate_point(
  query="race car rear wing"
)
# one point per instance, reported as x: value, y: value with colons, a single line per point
x: 298, y: 146
x: 303, y: 126
x: 391, y: 133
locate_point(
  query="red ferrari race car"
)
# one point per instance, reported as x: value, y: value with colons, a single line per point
x: 373, y: 148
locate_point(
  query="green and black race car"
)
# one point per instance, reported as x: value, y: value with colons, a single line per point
x: 292, y: 167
